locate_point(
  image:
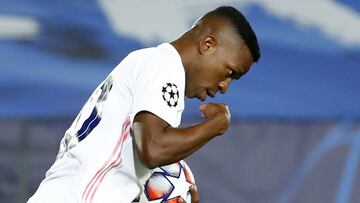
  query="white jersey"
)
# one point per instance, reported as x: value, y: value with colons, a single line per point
x: 96, y: 162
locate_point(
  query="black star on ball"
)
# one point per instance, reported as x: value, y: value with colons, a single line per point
x: 170, y: 94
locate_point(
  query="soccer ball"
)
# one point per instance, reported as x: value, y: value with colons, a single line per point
x: 167, y: 184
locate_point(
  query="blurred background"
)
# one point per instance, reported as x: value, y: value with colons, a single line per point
x: 295, y: 134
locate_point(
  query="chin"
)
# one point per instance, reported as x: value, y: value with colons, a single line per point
x: 200, y: 99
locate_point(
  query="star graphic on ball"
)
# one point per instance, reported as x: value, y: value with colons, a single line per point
x: 170, y: 94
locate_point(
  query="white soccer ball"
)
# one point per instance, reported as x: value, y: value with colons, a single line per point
x: 167, y: 184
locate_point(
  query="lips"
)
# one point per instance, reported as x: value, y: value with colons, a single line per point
x: 210, y: 94
x: 202, y: 96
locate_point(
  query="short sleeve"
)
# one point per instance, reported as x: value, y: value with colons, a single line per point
x: 159, y: 89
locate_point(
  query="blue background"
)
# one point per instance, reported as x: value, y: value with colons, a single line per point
x: 295, y: 133
x: 302, y: 72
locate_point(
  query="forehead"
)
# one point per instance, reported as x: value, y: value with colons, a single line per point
x: 236, y: 49
x: 238, y: 56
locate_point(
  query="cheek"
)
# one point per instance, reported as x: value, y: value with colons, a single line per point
x: 193, y: 83
x: 210, y: 72
x: 216, y: 74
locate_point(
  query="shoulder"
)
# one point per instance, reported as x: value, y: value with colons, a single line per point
x: 141, y: 54
x: 160, y: 61
x: 164, y: 52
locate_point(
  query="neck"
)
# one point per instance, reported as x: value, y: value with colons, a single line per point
x: 185, y: 49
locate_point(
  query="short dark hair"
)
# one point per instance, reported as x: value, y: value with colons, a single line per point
x: 241, y: 26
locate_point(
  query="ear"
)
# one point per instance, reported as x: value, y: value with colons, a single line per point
x: 208, y: 45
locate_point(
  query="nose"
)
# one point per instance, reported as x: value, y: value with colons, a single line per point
x: 223, y: 85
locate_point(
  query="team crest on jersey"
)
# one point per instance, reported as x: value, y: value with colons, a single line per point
x: 170, y: 94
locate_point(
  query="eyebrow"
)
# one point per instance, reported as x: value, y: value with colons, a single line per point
x: 238, y: 75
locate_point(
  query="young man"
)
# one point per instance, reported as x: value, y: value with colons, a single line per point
x: 129, y: 124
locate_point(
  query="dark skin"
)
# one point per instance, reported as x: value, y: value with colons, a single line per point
x: 194, y: 195
x: 213, y: 55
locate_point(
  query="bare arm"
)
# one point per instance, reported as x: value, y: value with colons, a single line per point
x: 158, y: 144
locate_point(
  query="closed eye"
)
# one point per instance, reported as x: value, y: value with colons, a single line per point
x: 233, y: 74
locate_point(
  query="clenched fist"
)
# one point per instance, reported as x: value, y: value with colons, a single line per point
x: 218, y: 112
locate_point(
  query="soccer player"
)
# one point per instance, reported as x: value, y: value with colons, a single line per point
x: 130, y: 123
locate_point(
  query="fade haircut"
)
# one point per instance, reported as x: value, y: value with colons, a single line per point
x: 242, y: 27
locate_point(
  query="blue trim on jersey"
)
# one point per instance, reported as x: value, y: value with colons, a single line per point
x: 88, y: 125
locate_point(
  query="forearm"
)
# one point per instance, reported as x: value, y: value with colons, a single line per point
x: 158, y: 144
x: 170, y: 145
x: 178, y: 143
